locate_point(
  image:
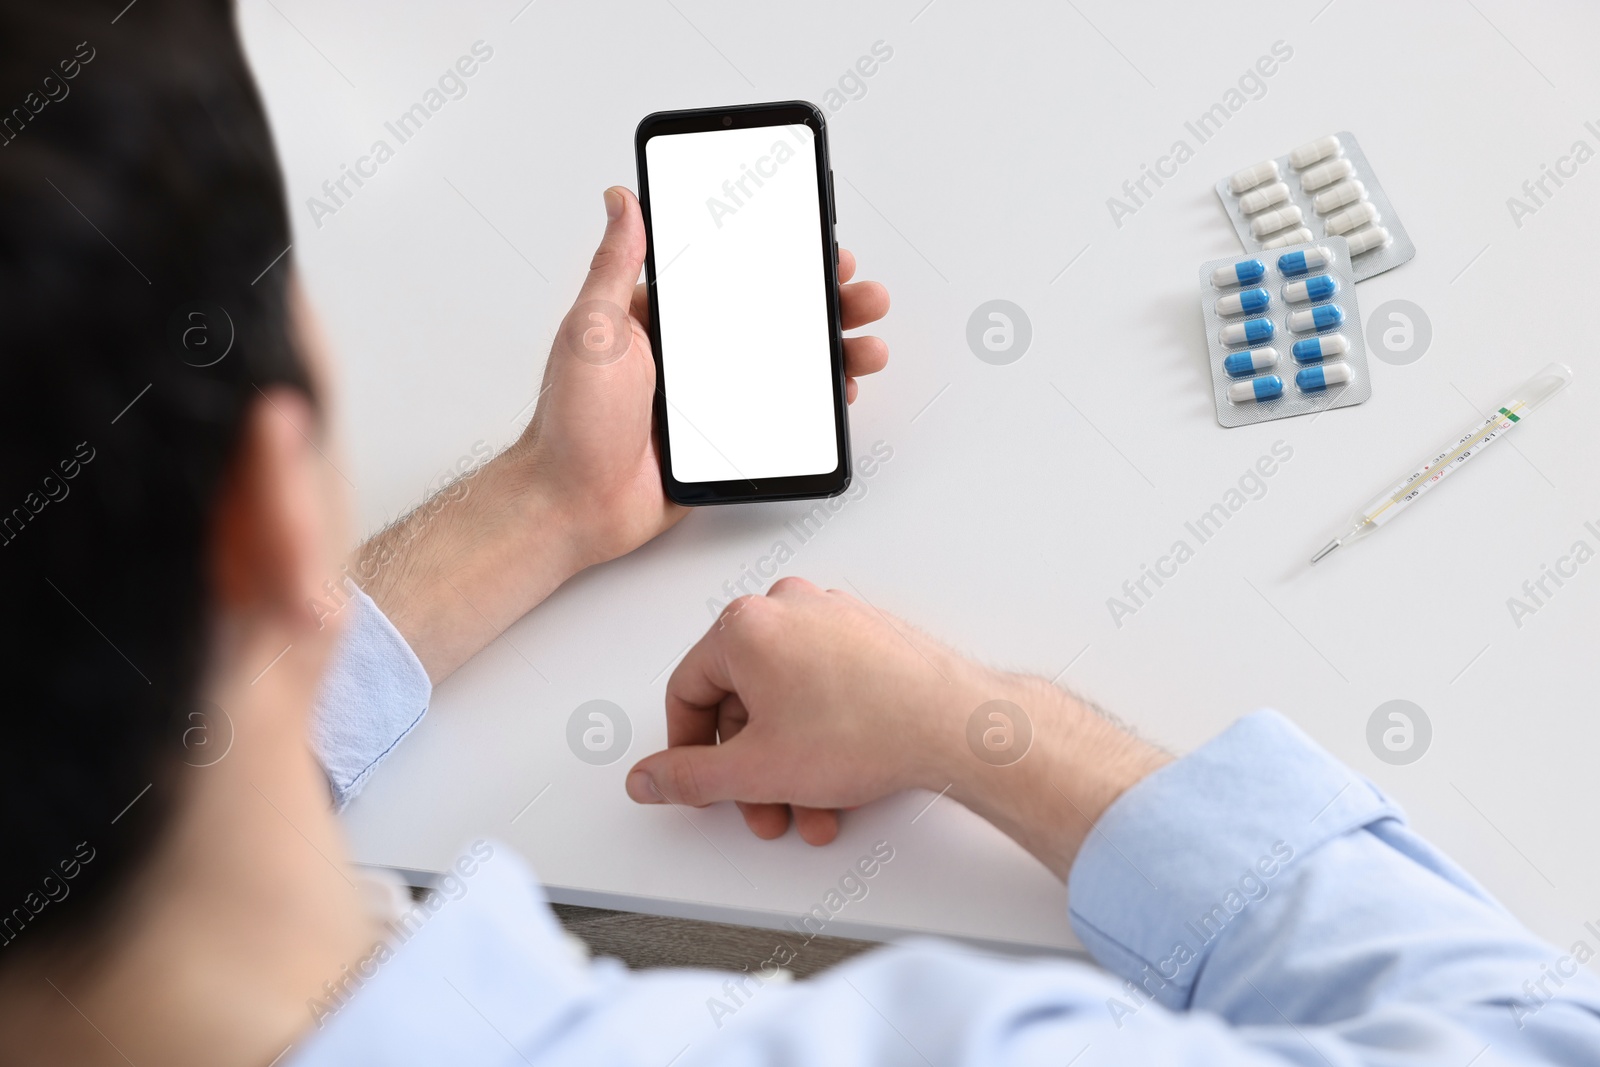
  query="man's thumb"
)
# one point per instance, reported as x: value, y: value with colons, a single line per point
x: 615, y: 268
x: 690, y: 774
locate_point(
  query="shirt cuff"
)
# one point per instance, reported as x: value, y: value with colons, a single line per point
x: 1182, y: 853
x: 374, y: 693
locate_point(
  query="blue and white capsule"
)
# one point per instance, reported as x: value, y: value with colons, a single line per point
x: 1244, y: 302
x: 1244, y: 364
x: 1323, y: 317
x: 1246, y: 272
x: 1318, y: 287
x: 1317, y: 349
x: 1256, y: 390
x: 1294, y: 264
x: 1248, y: 332
x: 1316, y: 379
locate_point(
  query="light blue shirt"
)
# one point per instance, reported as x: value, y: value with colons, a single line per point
x: 1255, y: 902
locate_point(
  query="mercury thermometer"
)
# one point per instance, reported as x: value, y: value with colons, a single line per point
x: 1528, y: 398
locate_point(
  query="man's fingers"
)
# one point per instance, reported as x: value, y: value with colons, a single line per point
x: 599, y: 330
x: 817, y: 826
x: 847, y: 265
x: 614, y: 271
x: 699, y: 684
x: 695, y: 775
x: 861, y: 303
x: 640, y: 307
x: 790, y: 584
x: 865, y: 355
x: 732, y: 717
x: 766, y: 821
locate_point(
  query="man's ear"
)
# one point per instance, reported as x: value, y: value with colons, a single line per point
x: 269, y: 542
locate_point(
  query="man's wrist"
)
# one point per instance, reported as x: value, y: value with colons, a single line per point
x: 471, y: 560
x: 1065, y: 763
x: 550, y: 521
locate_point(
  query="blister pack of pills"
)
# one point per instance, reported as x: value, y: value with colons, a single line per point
x: 1284, y: 332
x: 1324, y: 188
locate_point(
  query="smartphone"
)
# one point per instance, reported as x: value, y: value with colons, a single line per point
x: 744, y: 303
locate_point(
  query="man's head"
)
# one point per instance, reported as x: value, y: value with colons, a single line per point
x: 163, y: 512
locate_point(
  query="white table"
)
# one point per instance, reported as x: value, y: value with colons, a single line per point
x: 977, y: 165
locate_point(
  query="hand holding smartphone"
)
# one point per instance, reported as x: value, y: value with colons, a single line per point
x: 744, y: 310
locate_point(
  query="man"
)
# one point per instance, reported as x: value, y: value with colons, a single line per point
x: 177, y: 513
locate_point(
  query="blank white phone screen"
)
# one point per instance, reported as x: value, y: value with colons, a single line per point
x: 737, y: 229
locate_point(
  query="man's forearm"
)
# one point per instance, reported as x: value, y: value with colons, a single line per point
x: 1078, y: 763
x: 470, y: 561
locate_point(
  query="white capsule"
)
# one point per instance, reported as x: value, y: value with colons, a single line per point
x: 1312, y: 151
x: 1351, y: 218
x: 1346, y: 192
x: 1253, y: 175
x: 1273, y: 221
x: 1368, y: 239
x: 1292, y: 237
x: 1335, y: 170
x: 1264, y: 197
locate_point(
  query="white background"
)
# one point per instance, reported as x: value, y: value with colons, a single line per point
x: 744, y: 325
x: 977, y: 165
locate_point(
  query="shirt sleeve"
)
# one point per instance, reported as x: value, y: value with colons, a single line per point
x: 374, y: 693
x: 1255, y: 903
x: 1263, y: 882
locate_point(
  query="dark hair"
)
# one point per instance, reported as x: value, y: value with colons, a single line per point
x: 138, y: 186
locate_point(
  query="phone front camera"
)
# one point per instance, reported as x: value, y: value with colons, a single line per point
x: 727, y: 120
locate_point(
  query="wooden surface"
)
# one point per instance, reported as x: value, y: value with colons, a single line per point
x: 645, y: 941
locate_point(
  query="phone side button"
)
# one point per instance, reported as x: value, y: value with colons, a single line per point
x: 833, y: 211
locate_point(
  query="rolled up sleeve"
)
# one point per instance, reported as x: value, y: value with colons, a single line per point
x: 1260, y: 880
x: 374, y: 694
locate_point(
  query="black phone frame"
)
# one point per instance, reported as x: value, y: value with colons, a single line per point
x: 745, y: 490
